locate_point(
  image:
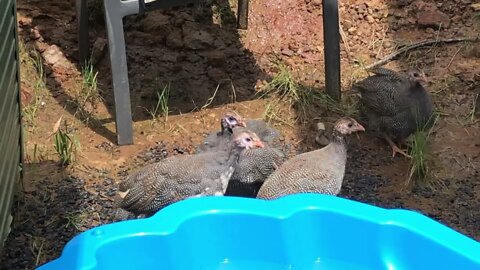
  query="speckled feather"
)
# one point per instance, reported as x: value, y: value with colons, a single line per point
x: 394, y: 103
x: 253, y: 167
x: 319, y: 171
x: 170, y: 180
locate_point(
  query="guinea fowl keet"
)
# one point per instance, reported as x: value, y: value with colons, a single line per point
x: 220, y: 139
x: 179, y: 177
x: 395, y: 104
x: 231, y: 120
x: 319, y: 171
x: 253, y: 167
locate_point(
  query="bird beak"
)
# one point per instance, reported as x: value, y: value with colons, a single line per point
x: 360, y: 128
x: 258, y: 144
x: 241, y: 123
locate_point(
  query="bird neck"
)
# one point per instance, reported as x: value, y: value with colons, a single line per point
x: 234, y: 155
x: 338, y: 138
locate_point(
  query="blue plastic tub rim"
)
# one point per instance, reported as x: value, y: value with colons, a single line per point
x: 169, y: 219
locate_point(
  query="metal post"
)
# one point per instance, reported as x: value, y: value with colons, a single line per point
x: 331, y: 40
x: 242, y: 14
x: 82, y: 28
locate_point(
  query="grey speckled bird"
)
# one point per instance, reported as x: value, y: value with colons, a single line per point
x: 220, y: 140
x: 230, y: 120
x: 179, y: 177
x: 395, y: 104
x: 266, y: 133
x: 319, y: 171
x: 253, y: 167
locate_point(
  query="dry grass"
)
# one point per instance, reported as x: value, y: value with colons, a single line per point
x: 33, y: 78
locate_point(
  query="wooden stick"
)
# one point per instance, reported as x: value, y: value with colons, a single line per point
x: 419, y: 45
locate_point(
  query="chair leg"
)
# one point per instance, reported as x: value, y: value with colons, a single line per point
x: 242, y: 14
x: 331, y: 41
x: 82, y: 28
x: 115, y: 10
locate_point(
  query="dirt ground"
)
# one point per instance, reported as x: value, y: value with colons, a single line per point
x: 198, y: 53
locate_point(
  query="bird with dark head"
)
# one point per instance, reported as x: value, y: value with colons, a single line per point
x: 182, y: 176
x: 395, y: 104
x: 231, y: 120
x: 221, y: 139
x: 319, y: 171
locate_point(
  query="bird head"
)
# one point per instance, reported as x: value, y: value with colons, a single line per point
x: 246, y: 139
x: 231, y: 120
x: 418, y: 75
x: 347, y: 125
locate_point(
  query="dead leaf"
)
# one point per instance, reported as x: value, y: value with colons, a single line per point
x: 56, y: 127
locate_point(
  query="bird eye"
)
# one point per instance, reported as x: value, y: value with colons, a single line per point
x: 248, y: 139
x: 231, y: 118
x: 350, y: 125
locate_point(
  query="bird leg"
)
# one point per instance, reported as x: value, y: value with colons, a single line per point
x: 395, y: 148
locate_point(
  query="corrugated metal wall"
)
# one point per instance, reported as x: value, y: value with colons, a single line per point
x: 10, y: 126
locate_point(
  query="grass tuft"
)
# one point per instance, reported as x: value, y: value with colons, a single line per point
x: 36, y: 79
x: 65, y: 145
x: 419, y: 150
x: 303, y: 98
x: 161, y: 108
x: 76, y: 220
x: 88, y: 94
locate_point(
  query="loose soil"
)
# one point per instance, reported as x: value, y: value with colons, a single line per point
x: 198, y: 52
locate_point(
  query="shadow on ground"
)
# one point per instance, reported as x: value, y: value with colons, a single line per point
x: 194, y: 51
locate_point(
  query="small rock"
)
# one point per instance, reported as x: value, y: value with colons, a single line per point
x: 192, y: 58
x: 320, y: 126
x: 432, y: 17
x: 98, y: 50
x: 387, y: 44
x: 22, y: 21
x: 25, y: 96
x: 400, y: 13
x: 217, y: 74
x: 215, y: 57
x: 174, y: 40
x: 154, y: 22
x: 55, y: 57
x: 287, y: 52
x: 35, y: 34
x: 170, y: 57
x: 194, y: 38
x: 351, y: 30
x: 456, y: 18
x: 473, y: 52
x: 197, y: 40
x: 476, y: 6
x: 369, y: 19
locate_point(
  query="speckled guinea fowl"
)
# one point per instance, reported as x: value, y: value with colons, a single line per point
x: 221, y: 139
x: 253, y: 167
x: 395, y: 104
x: 319, y: 171
x: 216, y: 140
x: 179, y: 177
x: 266, y: 133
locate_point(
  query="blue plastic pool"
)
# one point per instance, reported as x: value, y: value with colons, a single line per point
x: 303, y: 231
